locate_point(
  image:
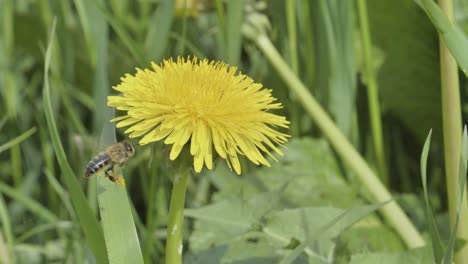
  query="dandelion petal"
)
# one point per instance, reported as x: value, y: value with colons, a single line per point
x: 207, y: 105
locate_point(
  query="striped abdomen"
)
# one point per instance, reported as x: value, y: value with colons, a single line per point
x: 98, y: 164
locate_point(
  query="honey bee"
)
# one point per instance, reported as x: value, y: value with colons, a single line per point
x: 115, y: 156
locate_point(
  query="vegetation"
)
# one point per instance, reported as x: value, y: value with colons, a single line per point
x: 362, y: 84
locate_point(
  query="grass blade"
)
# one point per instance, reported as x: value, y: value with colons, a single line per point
x: 437, y: 246
x: 132, y: 46
x: 234, y: 19
x: 17, y: 139
x: 453, y: 36
x: 157, y: 38
x: 6, y: 257
x: 29, y: 203
x: 87, y: 218
x: 119, y: 228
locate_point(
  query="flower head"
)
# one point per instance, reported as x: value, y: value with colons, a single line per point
x: 204, y: 104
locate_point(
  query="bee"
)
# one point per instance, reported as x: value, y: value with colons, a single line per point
x: 115, y: 156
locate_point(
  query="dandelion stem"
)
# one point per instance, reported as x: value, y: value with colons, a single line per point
x: 176, y: 218
x: 452, y: 126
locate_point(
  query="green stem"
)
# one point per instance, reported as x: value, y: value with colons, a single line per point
x: 292, y: 32
x: 373, y: 93
x: 174, y: 244
x: 452, y: 127
x: 292, y: 37
x: 392, y: 211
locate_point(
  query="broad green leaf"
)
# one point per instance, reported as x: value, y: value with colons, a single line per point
x: 415, y: 256
x: 330, y: 230
x: 312, y: 175
x: 257, y: 250
x: 242, y: 250
x: 207, y: 235
x: 237, y: 214
x: 212, y: 255
x: 453, y: 36
x: 409, y: 77
x: 308, y: 169
x: 317, y: 226
x: 309, y: 175
x: 221, y: 222
x: 370, y: 236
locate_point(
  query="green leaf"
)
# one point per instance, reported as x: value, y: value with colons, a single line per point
x: 415, y: 256
x: 338, y: 224
x: 207, y: 235
x: 237, y: 214
x: 409, y: 79
x: 241, y: 250
x: 223, y: 221
x: 87, y: 218
x: 453, y: 36
x: 210, y: 256
x: 315, y: 226
x: 308, y: 170
x: 119, y: 228
x: 369, y: 236
x: 312, y: 175
x: 255, y: 251
x: 437, y: 246
x: 120, y: 233
x: 308, y: 177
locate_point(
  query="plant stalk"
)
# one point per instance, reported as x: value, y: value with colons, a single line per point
x: 392, y: 211
x: 291, y: 17
x: 372, y: 93
x: 174, y: 246
x: 452, y: 130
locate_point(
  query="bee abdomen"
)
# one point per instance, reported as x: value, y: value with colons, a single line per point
x: 97, y: 164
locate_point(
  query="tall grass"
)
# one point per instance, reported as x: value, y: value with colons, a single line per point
x: 347, y: 90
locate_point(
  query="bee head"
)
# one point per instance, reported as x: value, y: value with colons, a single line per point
x: 129, y: 148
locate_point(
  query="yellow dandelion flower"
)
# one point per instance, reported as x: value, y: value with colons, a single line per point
x: 203, y: 104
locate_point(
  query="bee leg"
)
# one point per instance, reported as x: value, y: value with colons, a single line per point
x: 115, y: 178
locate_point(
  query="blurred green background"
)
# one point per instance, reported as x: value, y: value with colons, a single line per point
x: 97, y: 42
